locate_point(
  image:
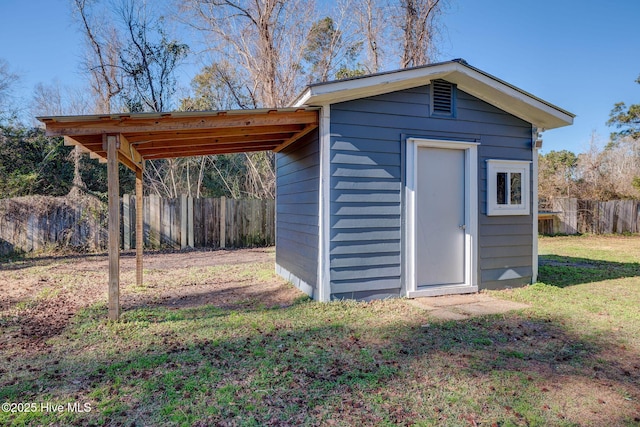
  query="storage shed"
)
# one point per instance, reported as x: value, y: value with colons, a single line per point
x: 418, y: 182
x: 407, y: 183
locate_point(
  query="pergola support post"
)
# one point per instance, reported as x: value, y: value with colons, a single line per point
x: 113, y: 185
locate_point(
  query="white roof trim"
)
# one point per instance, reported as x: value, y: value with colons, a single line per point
x: 468, y: 79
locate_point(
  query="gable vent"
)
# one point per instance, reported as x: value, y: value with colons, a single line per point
x: 442, y: 98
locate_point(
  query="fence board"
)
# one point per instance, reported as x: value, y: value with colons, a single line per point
x: 209, y: 223
x: 198, y: 227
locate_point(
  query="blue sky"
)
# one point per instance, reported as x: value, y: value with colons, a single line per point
x: 582, y: 56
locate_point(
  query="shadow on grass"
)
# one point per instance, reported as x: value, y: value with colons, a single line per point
x: 563, y: 271
x: 311, y: 363
x: 219, y: 302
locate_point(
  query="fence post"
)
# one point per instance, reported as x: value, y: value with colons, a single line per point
x: 126, y: 219
x: 223, y: 221
x: 568, y: 215
x: 190, y: 242
x: 154, y: 220
x: 183, y: 221
x: 31, y: 230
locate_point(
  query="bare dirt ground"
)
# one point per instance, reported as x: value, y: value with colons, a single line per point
x: 40, y: 295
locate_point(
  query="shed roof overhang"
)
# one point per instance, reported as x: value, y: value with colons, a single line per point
x: 183, y: 134
x: 469, y: 79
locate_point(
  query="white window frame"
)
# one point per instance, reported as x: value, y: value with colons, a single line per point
x: 496, y: 166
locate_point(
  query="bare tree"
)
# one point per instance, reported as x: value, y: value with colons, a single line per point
x: 557, y: 174
x: 371, y: 25
x: 8, y: 79
x: 131, y: 63
x: 611, y: 171
x: 148, y: 59
x: 54, y: 100
x: 217, y: 87
x: 262, y: 38
x: 418, y: 21
x: 102, y: 60
x: 257, y: 50
x: 130, y: 59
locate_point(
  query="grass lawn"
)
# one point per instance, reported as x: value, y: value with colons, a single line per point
x: 232, y: 344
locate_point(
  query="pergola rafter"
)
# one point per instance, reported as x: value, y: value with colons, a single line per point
x: 131, y: 139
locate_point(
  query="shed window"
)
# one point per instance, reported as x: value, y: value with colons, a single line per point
x: 442, y: 98
x: 508, y: 187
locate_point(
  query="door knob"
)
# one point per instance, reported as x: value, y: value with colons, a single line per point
x: 462, y: 226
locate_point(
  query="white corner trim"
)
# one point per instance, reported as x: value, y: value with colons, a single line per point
x: 297, y: 282
x: 534, y: 203
x: 471, y: 216
x: 324, y: 217
x: 302, y: 98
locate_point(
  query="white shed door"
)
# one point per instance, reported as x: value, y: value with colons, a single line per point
x: 440, y: 216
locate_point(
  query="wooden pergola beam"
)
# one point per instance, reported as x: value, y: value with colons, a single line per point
x: 149, y: 137
x: 213, y: 148
x: 169, y: 123
x: 68, y: 141
x: 212, y: 142
x: 295, y: 137
x: 127, y: 153
x: 193, y: 151
x: 128, y: 163
x: 130, y: 152
x: 208, y: 152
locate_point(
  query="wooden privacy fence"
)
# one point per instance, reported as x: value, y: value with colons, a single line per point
x: 33, y: 223
x: 572, y: 216
x: 187, y: 222
x: 614, y: 216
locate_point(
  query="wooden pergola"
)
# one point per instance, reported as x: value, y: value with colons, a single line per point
x: 131, y: 139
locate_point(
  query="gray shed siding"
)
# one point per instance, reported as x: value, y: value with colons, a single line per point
x: 297, y: 207
x: 368, y: 176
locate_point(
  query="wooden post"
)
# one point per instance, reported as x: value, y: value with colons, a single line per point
x: 165, y: 223
x: 114, y: 226
x: 154, y: 220
x: 190, y: 222
x: 223, y: 221
x: 126, y: 222
x: 139, y: 226
x: 183, y: 221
